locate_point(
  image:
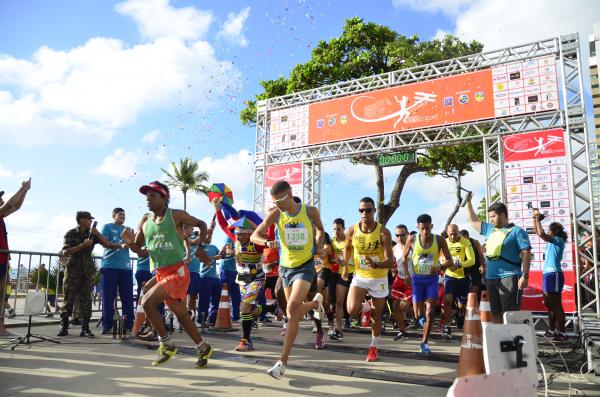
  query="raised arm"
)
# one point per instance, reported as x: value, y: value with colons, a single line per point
x: 16, y: 201
x: 472, y: 217
x: 539, y: 230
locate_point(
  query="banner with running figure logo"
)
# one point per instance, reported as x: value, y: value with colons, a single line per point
x: 292, y: 173
x: 505, y: 90
x: 536, y: 176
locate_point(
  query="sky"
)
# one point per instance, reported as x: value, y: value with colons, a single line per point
x: 97, y: 96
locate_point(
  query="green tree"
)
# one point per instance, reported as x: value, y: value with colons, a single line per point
x: 186, y: 177
x: 365, y: 49
x: 482, y: 209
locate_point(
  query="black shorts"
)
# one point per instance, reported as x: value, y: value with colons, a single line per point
x: 474, y: 276
x: 342, y: 282
x: 326, y: 275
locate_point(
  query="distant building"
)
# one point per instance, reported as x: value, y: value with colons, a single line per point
x: 594, y: 43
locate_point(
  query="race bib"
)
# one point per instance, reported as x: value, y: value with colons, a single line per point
x: 363, y: 262
x: 400, y: 268
x: 425, y: 264
x: 456, y: 260
x: 296, y: 236
x: 318, y: 262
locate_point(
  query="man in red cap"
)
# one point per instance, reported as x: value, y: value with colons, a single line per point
x: 7, y: 208
x: 161, y: 234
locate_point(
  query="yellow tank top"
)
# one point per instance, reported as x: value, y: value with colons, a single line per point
x: 338, y: 250
x: 368, y: 244
x: 458, y: 250
x: 295, y: 236
x: 426, y: 260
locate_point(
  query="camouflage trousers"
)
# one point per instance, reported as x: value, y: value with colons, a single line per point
x: 78, y: 288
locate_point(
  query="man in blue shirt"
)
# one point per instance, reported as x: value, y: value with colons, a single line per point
x: 508, y: 252
x: 210, y: 284
x: 116, y: 273
x: 194, y: 268
x: 228, y: 274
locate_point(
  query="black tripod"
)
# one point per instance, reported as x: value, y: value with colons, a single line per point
x: 26, y: 339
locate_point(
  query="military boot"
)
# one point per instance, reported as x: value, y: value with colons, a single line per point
x: 64, y: 327
x: 85, y: 329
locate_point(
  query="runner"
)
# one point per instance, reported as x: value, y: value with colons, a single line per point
x: 401, y: 293
x: 161, y: 231
x: 341, y: 286
x: 370, y: 243
x: 299, y: 236
x: 456, y: 284
x: 324, y: 267
x: 193, y: 263
x: 475, y: 272
x: 426, y: 248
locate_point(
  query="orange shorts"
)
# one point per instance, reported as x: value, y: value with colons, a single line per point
x: 174, y: 280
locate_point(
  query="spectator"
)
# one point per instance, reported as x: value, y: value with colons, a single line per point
x: 508, y: 253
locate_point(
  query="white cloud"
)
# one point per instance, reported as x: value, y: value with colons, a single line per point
x: 8, y: 173
x: 85, y: 94
x: 233, y: 28
x: 151, y: 136
x: 120, y: 164
x: 157, y: 18
x: 49, y: 231
x: 444, y: 6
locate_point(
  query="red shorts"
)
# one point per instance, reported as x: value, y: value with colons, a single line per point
x: 400, y: 290
x: 174, y: 280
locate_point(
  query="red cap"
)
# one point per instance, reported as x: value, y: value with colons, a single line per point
x: 156, y: 187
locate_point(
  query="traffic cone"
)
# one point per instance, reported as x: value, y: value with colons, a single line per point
x: 140, y: 317
x: 223, y: 323
x: 485, y: 311
x: 470, y: 361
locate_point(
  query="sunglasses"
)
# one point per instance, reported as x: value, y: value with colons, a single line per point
x: 401, y: 235
x: 367, y: 210
x: 281, y: 200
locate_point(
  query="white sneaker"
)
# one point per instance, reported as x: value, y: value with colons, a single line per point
x: 277, y: 370
x: 319, y: 311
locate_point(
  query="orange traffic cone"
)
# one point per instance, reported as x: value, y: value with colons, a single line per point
x: 223, y: 323
x: 470, y: 361
x: 485, y: 311
x: 140, y: 317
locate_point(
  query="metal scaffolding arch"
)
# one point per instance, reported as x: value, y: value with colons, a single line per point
x: 489, y: 132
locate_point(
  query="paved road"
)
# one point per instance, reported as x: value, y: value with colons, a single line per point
x: 107, y: 367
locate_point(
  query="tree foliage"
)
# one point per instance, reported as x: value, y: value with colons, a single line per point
x: 365, y: 49
x: 186, y: 176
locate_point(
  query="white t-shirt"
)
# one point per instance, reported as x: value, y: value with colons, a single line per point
x: 397, y: 249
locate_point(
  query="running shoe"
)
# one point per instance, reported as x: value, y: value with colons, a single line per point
x: 422, y: 321
x: 560, y: 337
x: 165, y: 352
x: 279, y: 314
x: 277, y: 370
x: 319, y: 312
x: 401, y: 335
x: 372, y: 355
x: 284, y: 329
x: 319, y: 341
x: 425, y: 348
x: 244, y: 346
x: 549, y: 334
x: 354, y: 323
x: 337, y: 335
x: 203, y: 355
x: 447, y: 333
x: 254, y: 324
x: 314, y: 330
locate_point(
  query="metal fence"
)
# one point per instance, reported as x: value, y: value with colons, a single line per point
x: 42, y: 271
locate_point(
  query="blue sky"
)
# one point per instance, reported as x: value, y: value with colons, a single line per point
x: 97, y: 96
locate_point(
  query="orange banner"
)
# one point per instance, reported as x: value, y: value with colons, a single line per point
x: 448, y: 100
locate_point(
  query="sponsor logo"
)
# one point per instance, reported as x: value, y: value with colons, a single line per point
x: 320, y: 123
x: 463, y: 99
x: 448, y: 101
x: 344, y: 119
x: 479, y: 96
x: 331, y: 121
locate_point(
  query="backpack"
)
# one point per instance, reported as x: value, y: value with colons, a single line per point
x: 495, y: 242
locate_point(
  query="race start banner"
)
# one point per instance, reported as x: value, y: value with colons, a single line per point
x: 502, y: 91
x: 292, y: 173
x: 536, y: 176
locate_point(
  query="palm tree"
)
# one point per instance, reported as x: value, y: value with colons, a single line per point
x: 186, y: 177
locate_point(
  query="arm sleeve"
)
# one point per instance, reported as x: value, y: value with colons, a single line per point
x: 470, y: 254
x: 523, y: 240
x: 486, y: 228
x: 106, y: 232
x: 223, y: 224
x: 68, y: 241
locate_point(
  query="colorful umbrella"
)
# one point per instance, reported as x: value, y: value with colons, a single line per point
x: 220, y: 191
x: 243, y: 223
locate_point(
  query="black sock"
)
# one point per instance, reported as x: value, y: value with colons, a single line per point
x: 247, y: 324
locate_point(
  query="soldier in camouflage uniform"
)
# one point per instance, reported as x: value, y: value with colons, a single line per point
x: 78, y: 282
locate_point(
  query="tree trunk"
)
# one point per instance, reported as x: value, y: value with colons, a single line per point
x: 385, y: 211
x: 184, y: 200
x: 458, y: 201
